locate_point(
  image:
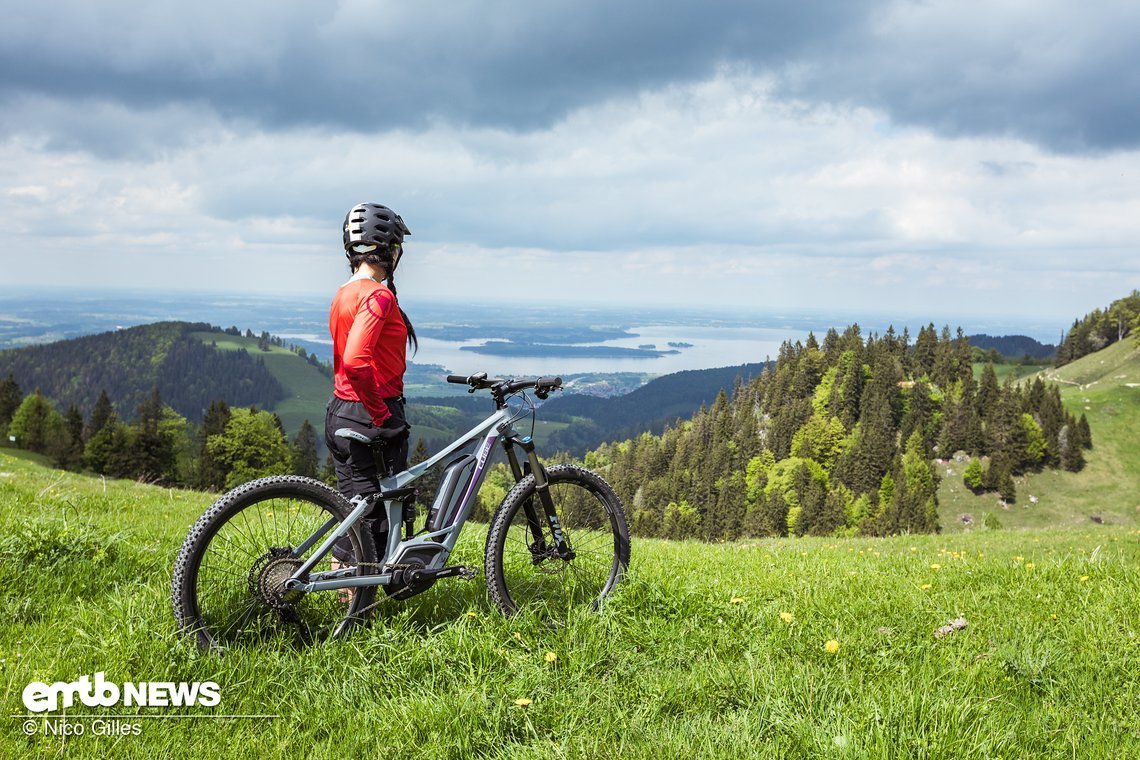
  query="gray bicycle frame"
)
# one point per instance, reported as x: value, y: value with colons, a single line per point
x: 499, y: 424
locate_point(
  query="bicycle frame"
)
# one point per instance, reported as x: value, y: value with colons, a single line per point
x: 499, y: 425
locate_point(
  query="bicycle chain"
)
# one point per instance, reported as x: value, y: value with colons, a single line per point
x: 388, y: 596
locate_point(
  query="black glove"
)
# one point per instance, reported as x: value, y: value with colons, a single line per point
x: 391, y: 432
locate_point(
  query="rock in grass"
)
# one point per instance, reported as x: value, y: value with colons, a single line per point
x: 956, y: 624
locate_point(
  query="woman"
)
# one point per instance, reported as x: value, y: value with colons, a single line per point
x: 370, y: 334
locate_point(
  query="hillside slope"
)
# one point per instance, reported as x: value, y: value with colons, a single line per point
x: 706, y: 650
x: 307, y: 389
x: 1104, y: 386
x: 649, y: 408
x: 193, y: 364
x: 128, y: 364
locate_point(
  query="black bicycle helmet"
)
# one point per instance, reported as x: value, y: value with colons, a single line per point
x: 370, y: 224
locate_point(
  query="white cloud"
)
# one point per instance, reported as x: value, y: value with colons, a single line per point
x: 711, y: 194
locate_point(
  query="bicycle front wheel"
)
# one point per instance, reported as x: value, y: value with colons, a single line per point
x: 528, y: 574
x: 228, y: 585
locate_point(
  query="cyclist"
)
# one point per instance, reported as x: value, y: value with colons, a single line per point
x: 370, y: 334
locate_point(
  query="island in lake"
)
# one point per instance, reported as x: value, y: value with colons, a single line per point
x: 562, y: 351
x: 679, y: 344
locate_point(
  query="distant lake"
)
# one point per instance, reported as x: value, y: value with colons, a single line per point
x: 719, y: 337
x: 712, y: 347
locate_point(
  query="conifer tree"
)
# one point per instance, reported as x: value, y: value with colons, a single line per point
x: 988, y: 393
x: 925, y: 349
x: 155, y: 445
x: 919, y: 414
x: 305, y: 461
x: 916, y: 496
x: 1069, y: 447
x: 103, y: 412
x: 210, y: 474
x: 884, y: 519
x: 106, y: 451
x: 865, y: 463
x: 328, y: 472
x: 10, y: 398
x: 1085, y: 434
x: 72, y: 456
x: 428, y: 483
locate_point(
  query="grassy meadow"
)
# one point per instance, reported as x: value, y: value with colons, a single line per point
x: 706, y: 651
x: 308, y: 390
x: 1105, y: 387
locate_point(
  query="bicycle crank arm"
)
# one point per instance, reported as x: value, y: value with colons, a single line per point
x: 417, y: 575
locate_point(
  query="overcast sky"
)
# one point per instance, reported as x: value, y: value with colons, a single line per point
x: 951, y: 156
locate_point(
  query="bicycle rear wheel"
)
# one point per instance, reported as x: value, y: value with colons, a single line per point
x: 523, y: 574
x: 228, y: 578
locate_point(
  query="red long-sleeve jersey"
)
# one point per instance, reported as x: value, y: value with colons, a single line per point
x: 369, y: 345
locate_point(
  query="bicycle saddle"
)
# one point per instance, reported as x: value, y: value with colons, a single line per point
x: 381, y: 434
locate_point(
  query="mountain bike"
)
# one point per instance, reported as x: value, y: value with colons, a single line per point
x: 258, y: 563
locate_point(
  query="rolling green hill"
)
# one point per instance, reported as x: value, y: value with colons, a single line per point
x: 651, y: 407
x: 707, y: 650
x: 192, y: 365
x: 1105, y: 386
x: 128, y: 364
x: 307, y: 389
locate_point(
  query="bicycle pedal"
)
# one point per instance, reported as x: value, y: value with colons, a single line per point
x: 467, y: 573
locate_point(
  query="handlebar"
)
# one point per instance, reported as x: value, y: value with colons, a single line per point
x: 503, y: 387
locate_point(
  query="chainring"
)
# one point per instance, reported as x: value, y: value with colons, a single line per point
x: 401, y: 586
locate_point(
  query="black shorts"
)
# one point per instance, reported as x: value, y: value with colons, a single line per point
x: 360, y: 466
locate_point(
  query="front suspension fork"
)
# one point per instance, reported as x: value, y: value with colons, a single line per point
x: 542, y: 489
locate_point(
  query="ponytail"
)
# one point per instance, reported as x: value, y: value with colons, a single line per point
x: 412, y: 341
x: 384, y: 258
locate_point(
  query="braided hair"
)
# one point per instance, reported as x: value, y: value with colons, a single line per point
x: 386, y: 258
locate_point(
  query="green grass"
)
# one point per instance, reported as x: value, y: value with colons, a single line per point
x: 1016, y: 370
x: 690, y: 659
x: 307, y: 390
x: 1104, y: 386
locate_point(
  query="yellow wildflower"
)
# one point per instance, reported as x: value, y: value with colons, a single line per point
x: 523, y: 702
x: 924, y: 586
x: 551, y: 657
x: 736, y: 600
x: 787, y: 617
x: 832, y: 646
x: 472, y: 614
x: 935, y: 566
x: 1029, y: 565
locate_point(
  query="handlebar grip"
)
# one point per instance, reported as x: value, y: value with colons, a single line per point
x: 457, y: 379
x: 548, y: 382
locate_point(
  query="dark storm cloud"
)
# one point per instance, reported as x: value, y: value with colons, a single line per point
x: 1062, y: 75
x: 368, y: 66
x: 1068, y: 81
